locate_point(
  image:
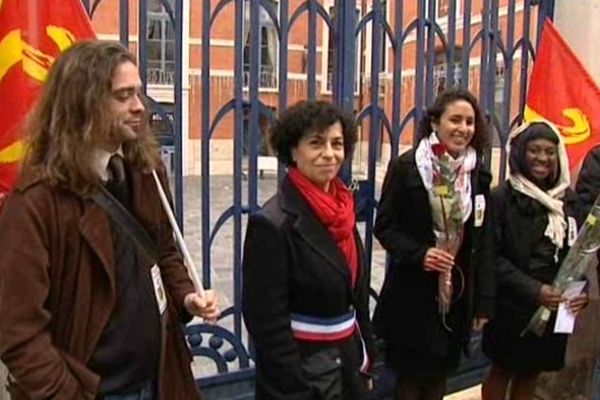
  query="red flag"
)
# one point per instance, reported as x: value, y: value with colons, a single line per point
x: 32, y: 34
x: 562, y: 92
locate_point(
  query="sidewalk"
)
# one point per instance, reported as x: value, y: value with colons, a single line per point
x: 473, y: 393
x: 3, y: 373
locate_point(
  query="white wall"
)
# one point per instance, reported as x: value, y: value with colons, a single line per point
x: 577, y: 21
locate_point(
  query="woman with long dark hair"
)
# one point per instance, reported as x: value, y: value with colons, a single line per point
x: 533, y: 215
x: 433, y: 221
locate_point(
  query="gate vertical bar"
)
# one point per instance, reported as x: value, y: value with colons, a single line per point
x: 420, y: 54
x: 397, y: 82
x: 124, y: 22
x: 253, y: 85
x: 492, y: 72
x: 283, y: 55
x: 345, y: 63
x: 237, y: 153
x: 451, y: 50
x: 430, y: 53
x: 177, y: 122
x: 525, y: 43
x: 545, y: 10
x: 205, y: 144
x: 283, y: 65
x: 465, y: 62
x: 377, y: 46
x: 507, y: 92
x: 493, y: 55
x: 142, y: 42
x: 312, y: 50
x: 484, y: 72
x: 345, y: 53
x: 86, y: 5
x: 548, y: 8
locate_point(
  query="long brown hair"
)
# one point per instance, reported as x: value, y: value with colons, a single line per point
x: 72, y: 117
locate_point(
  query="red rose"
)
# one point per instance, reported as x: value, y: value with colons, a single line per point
x: 438, y: 149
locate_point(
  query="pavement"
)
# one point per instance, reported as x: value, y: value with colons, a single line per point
x: 473, y: 393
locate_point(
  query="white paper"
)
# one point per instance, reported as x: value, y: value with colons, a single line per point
x: 159, y: 289
x: 565, y: 319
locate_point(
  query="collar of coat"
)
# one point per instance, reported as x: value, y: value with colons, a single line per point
x: 94, y: 222
x: 312, y: 231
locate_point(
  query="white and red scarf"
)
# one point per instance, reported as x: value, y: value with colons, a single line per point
x: 428, y: 163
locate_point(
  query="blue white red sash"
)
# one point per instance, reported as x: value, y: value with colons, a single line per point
x: 323, y: 329
x: 306, y: 327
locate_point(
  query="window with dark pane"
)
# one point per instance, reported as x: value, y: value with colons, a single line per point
x: 161, y: 122
x: 267, y: 47
x: 331, y: 48
x: 264, y: 128
x: 443, y: 8
x: 161, y: 43
x: 441, y: 67
x: 499, y: 103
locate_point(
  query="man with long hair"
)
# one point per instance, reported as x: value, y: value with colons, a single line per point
x: 90, y: 305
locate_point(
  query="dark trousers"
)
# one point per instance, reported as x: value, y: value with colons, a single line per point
x: 420, y: 388
x: 145, y: 392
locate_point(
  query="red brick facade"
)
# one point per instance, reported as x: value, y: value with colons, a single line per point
x: 106, y: 23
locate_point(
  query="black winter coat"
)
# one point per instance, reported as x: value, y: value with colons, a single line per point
x: 588, y: 184
x: 407, y: 314
x: 588, y: 188
x: 519, y: 225
x: 292, y: 265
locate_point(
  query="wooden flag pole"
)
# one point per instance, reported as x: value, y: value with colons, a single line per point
x: 187, y: 258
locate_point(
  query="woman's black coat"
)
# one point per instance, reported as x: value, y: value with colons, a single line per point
x: 293, y: 265
x: 588, y: 184
x: 515, y: 226
x: 407, y: 314
x: 519, y: 225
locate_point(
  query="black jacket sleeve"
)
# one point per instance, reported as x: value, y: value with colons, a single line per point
x: 588, y: 184
x: 388, y: 226
x: 510, y: 278
x: 265, y: 308
x: 485, y: 268
x: 364, y: 320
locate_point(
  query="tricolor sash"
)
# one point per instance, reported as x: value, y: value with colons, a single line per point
x: 317, y: 329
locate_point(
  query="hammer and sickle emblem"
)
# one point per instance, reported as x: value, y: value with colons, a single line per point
x: 579, y: 131
x: 35, y: 62
x: 36, y: 65
x: 12, y: 153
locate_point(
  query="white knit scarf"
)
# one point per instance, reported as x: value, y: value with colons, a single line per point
x: 552, y: 198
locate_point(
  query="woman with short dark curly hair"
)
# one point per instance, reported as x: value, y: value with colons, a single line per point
x: 309, y: 116
x: 305, y: 282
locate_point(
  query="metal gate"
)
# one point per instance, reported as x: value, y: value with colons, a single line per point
x: 383, y: 60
